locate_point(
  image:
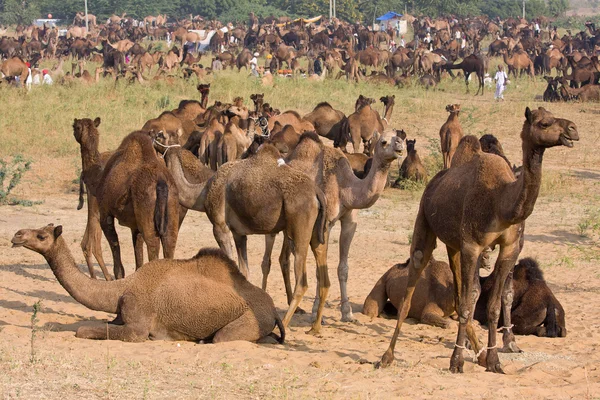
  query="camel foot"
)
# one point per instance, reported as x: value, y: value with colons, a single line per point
x: 267, y: 340
x: 482, y: 359
x: 457, y: 361
x: 315, y: 330
x: 511, y: 347
x: 386, y: 360
x: 496, y: 368
x: 493, y: 362
x: 300, y: 311
x: 349, y: 318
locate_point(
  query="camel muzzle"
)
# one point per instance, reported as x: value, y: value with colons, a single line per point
x: 567, y: 139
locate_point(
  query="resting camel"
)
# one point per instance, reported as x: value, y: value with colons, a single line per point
x: 137, y: 189
x: 412, y: 167
x: 259, y: 195
x: 492, y: 207
x: 291, y: 118
x: 202, y: 298
x: 14, y: 67
x: 469, y: 65
x: 450, y: 134
x: 364, y: 124
x: 585, y: 93
x: 345, y: 194
x: 93, y: 162
x: 535, y: 309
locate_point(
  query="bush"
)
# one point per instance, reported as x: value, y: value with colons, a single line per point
x: 13, y: 172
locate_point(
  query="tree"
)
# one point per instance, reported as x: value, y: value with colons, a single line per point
x: 558, y: 7
x: 15, y: 12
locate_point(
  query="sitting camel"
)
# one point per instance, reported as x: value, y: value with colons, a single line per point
x: 535, y: 310
x: 450, y: 134
x: 412, y: 167
x: 202, y: 298
x: 493, y: 206
x: 137, y: 189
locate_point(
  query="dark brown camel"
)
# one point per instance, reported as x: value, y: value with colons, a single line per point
x: 412, y: 167
x: 493, y: 206
x: 469, y: 65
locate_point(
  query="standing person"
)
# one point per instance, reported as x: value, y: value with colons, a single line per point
x: 402, y: 42
x: 501, y: 81
x: 537, y: 28
x: 29, y: 78
x: 254, y: 65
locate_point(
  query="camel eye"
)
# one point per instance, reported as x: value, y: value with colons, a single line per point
x: 41, y: 237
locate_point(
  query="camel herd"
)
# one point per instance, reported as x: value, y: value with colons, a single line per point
x: 438, y: 48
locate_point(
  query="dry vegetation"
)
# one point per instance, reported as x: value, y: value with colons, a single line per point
x: 563, y: 233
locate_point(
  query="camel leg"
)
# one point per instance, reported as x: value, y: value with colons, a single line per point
x: 377, y: 298
x: 138, y: 248
x: 323, y: 283
x: 433, y: 315
x: 223, y: 237
x: 244, y: 327
x: 265, y: 266
x: 467, y: 80
x: 455, y: 266
x: 241, y: 242
x: 504, y: 264
x: 95, y: 241
x: 301, y: 243
x: 420, y: 252
x: 108, y: 227
x: 284, y: 262
x: 508, y: 337
x: 348, y: 225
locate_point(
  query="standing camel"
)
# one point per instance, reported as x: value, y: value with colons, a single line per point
x: 365, y: 124
x: 492, y: 206
x: 345, y: 194
x: 260, y: 195
x: 450, y: 134
x: 469, y: 65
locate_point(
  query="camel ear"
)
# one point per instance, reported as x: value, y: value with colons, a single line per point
x: 57, y: 231
x: 528, y: 115
x: 97, y: 122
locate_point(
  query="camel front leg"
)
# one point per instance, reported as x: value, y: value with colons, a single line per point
x: 223, y: 237
x: 108, y: 227
x: 420, y: 253
x: 241, y: 244
x: 348, y: 225
x: 508, y: 337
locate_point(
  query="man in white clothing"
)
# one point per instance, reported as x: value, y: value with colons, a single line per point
x: 501, y: 80
x: 254, y: 65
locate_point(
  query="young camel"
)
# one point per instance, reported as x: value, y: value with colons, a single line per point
x: 412, y: 168
x: 259, y: 195
x: 493, y: 207
x: 345, y: 194
x: 365, y: 124
x: 197, y: 299
x: 450, y: 134
x: 137, y: 189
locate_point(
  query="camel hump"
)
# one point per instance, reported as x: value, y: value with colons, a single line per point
x: 311, y: 135
x: 468, y: 147
x: 529, y: 269
x: 268, y: 152
x: 323, y: 104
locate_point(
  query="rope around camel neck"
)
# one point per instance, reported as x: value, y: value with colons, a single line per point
x: 163, y: 155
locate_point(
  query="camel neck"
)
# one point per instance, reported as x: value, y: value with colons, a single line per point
x: 94, y: 294
x: 387, y: 117
x: 204, y: 100
x: 363, y: 193
x: 191, y: 195
x: 523, y: 193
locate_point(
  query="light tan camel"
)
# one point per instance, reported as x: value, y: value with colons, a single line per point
x: 197, y: 299
x: 291, y: 118
x: 137, y: 189
x: 14, y: 67
x: 259, y: 195
x: 93, y: 162
x: 233, y: 143
x: 517, y: 62
x: 365, y: 124
x: 450, y: 134
x: 493, y: 207
x: 345, y: 195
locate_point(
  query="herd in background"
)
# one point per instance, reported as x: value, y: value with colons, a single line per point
x: 526, y: 47
x: 262, y: 172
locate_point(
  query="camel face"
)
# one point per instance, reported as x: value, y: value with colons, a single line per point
x: 453, y: 108
x: 84, y: 128
x: 546, y: 131
x: 391, y: 149
x: 38, y: 240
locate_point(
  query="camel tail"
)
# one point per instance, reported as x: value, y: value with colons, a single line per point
x: 550, y: 322
x: 161, y: 217
x: 280, y: 339
x: 321, y: 223
x: 81, y: 192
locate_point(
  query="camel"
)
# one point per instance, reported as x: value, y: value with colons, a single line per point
x: 518, y: 62
x: 412, y: 167
x: 292, y: 118
x: 14, y: 66
x: 469, y: 65
x: 207, y: 150
x: 450, y: 134
x: 585, y: 93
x: 365, y: 124
x: 197, y: 299
x: 345, y: 194
x: 93, y: 162
x: 233, y: 143
x: 535, y: 310
x: 493, y: 206
x: 137, y: 189
x: 432, y: 303
x: 259, y: 195
x: 326, y: 120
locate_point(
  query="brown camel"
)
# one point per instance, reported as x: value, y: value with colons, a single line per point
x: 326, y: 120
x: 493, y: 206
x: 233, y: 143
x: 470, y: 64
x: 518, y: 62
x: 585, y: 93
x: 291, y: 118
x: 137, y: 189
x: 412, y: 167
x: 450, y: 134
x: 345, y: 195
x: 366, y: 124
x: 535, y: 310
x: 207, y: 151
x: 197, y: 299
x: 14, y: 67
x: 258, y: 99
x: 93, y: 162
x: 259, y: 195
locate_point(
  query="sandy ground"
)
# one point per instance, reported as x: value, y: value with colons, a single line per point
x: 340, y: 362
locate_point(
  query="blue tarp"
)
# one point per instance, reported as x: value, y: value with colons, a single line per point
x: 389, y: 15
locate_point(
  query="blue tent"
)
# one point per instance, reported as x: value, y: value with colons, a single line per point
x: 389, y: 15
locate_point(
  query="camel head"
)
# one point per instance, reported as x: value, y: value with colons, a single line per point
x: 388, y: 100
x: 258, y: 99
x: 541, y: 129
x: 238, y: 102
x: 410, y: 145
x: 203, y: 88
x: 39, y: 240
x: 390, y: 149
x: 363, y: 101
x: 85, y: 130
x: 453, y: 108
